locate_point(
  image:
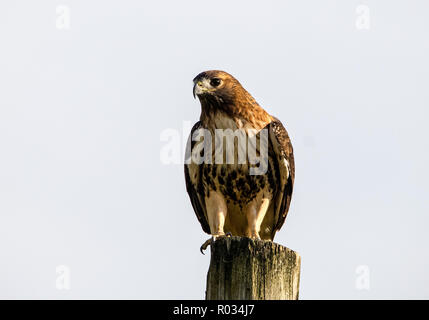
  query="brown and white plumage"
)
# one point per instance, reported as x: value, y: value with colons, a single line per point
x: 225, y: 196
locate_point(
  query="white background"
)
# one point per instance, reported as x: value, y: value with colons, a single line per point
x: 82, y: 110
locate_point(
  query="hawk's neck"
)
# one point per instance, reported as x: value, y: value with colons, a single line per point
x: 242, y: 115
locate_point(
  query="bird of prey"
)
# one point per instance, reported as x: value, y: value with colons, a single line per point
x: 227, y: 196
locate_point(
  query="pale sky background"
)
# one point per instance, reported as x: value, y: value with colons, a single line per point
x: 82, y: 111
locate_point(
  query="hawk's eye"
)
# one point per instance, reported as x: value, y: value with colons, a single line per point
x: 215, y: 82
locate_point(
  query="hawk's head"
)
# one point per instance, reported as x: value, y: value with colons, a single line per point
x: 220, y: 91
x: 216, y: 84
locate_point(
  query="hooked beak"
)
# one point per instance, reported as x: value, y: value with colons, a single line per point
x: 198, y: 88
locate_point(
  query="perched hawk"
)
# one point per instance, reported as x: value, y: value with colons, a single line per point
x: 230, y: 196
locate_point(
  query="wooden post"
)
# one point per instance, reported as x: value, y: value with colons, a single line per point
x: 247, y: 269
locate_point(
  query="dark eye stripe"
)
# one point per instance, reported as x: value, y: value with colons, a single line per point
x: 215, y: 82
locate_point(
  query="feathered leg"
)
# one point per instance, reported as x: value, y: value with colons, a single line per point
x: 216, y: 214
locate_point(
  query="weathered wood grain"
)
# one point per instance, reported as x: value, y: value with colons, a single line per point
x: 247, y: 269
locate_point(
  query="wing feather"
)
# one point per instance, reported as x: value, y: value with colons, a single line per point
x: 194, y: 184
x: 285, y: 163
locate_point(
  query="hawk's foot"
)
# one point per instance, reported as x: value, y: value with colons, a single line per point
x: 214, y: 237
